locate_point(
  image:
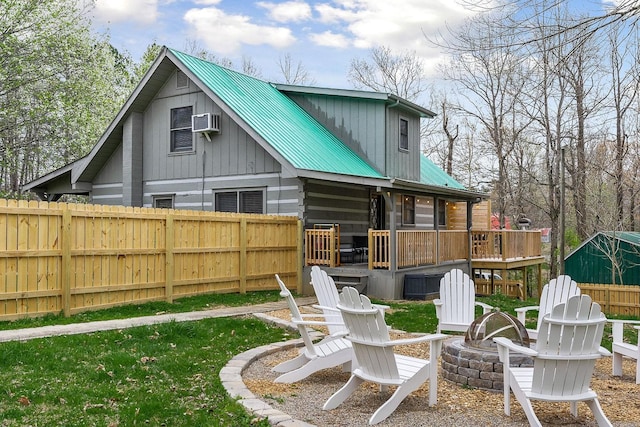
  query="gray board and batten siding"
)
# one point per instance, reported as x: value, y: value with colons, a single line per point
x: 231, y: 160
x: 361, y: 123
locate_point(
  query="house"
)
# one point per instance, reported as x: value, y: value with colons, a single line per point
x: 611, y: 257
x: 195, y: 135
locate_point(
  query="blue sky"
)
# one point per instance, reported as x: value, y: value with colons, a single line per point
x: 324, y: 35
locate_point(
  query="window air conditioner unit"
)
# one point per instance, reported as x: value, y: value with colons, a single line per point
x: 206, y: 122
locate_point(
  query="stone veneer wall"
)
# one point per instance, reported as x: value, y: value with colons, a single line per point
x: 474, y: 367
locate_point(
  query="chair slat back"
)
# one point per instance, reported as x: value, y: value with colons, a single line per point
x: 568, y: 343
x: 296, y: 316
x: 458, y: 295
x: 366, y: 327
x: 327, y: 294
x: 558, y: 290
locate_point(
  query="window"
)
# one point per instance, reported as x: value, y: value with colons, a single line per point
x: 404, y: 135
x: 442, y: 212
x: 249, y: 201
x: 163, y: 202
x: 181, y: 136
x: 408, y: 210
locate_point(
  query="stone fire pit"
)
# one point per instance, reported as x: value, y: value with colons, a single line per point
x: 473, y: 360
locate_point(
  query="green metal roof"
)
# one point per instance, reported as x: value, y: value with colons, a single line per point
x: 430, y: 174
x: 290, y: 130
x: 628, y: 236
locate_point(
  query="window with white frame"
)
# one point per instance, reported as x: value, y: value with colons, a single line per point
x: 408, y: 210
x: 403, y: 142
x: 164, y: 201
x: 240, y: 201
x: 181, y: 135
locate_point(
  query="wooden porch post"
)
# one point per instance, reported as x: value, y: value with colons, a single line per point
x: 389, y: 199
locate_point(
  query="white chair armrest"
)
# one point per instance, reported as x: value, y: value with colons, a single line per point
x: 486, y: 308
x: 417, y: 340
x: 438, y: 304
x: 403, y: 341
x: 604, y: 352
x: 617, y: 328
x: 381, y: 307
x: 323, y: 307
x: 314, y: 323
x: 522, y: 312
x: 510, y: 345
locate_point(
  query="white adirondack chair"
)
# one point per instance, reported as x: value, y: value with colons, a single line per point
x: 455, y: 309
x: 623, y: 349
x: 556, y: 291
x: 563, y: 360
x: 328, y: 297
x: 375, y: 360
x: 329, y: 352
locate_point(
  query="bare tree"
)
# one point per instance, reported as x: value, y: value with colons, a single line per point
x: 401, y: 74
x: 294, y: 74
x: 492, y: 78
x: 624, y: 90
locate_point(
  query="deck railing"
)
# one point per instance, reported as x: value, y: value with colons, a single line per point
x: 423, y: 247
x: 505, y: 244
x: 321, y: 247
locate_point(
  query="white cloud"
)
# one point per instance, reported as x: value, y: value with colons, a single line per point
x: 330, y: 39
x: 289, y: 11
x: 225, y: 34
x: 142, y: 11
x: 401, y: 24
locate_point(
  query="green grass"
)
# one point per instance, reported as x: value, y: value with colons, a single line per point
x: 196, y: 303
x: 160, y: 375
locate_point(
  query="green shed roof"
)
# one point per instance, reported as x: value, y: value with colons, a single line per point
x: 628, y: 236
x: 290, y: 130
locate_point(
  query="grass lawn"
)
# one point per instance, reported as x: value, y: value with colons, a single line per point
x: 160, y: 375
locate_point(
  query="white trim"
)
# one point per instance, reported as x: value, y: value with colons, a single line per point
x: 281, y: 201
x: 211, y: 179
x: 106, y: 196
x: 283, y: 188
x: 177, y: 193
x: 114, y: 185
x: 194, y: 204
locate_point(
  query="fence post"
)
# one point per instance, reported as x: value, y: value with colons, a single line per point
x: 300, y: 255
x: 66, y: 260
x: 169, y: 262
x: 243, y: 255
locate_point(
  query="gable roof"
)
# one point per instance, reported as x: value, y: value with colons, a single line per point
x: 282, y: 123
x: 284, y: 129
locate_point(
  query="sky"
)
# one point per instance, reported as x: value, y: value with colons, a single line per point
x: 323, y: 35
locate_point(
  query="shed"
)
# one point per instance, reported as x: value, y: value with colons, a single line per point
x: 608, y: 257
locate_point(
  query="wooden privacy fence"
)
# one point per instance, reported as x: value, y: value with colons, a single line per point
x: 614, y: 299
x: 57, y: 257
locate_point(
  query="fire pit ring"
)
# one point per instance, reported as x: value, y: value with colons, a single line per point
x: 473, y: 360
